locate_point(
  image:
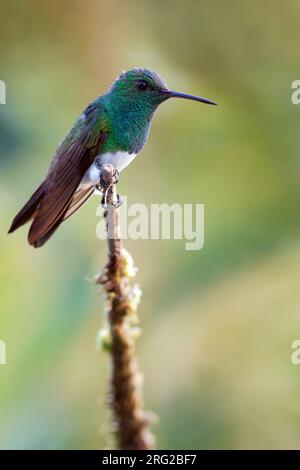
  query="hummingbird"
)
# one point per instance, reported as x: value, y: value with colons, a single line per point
x: 112, y: 129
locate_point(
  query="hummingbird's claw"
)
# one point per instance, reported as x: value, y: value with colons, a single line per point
x: 106, y: 189
x: 117, y: 176
x: 102, y: 183
x: 119, y: 202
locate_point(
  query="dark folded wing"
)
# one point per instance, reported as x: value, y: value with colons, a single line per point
x: 78, y: 199
x: 74, y: 157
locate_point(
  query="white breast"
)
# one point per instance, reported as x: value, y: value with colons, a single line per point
x: 118, y: 160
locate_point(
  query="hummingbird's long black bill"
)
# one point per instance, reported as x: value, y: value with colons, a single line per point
x: 177, y: 94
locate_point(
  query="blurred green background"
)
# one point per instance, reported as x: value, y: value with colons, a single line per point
x: 218, y: 323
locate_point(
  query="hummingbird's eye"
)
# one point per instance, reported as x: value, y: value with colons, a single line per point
x: 142, y: 85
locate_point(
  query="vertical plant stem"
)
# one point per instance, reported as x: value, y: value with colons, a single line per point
x: 130, y: 422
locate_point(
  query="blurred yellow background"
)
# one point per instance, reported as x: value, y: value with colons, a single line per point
x: 218, y: 323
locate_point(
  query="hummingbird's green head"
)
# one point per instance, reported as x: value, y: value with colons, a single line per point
x: 131, y: 102
x: 143, y: 88
x: 139, y: 88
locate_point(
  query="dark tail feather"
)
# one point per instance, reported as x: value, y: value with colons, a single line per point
x: 26, y: 214
x: 42, y: 240
x: 78, y: 199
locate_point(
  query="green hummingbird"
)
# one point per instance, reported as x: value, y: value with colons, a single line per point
x: 112, y: 129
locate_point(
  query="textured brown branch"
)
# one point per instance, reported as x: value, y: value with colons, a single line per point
x: 130, y: 422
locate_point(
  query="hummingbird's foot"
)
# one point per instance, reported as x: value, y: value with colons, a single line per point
x: 116, y: 204
x: 117, y: 176
x: 106, y: 189
x: 119, y: 202
x: 101, y: 182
